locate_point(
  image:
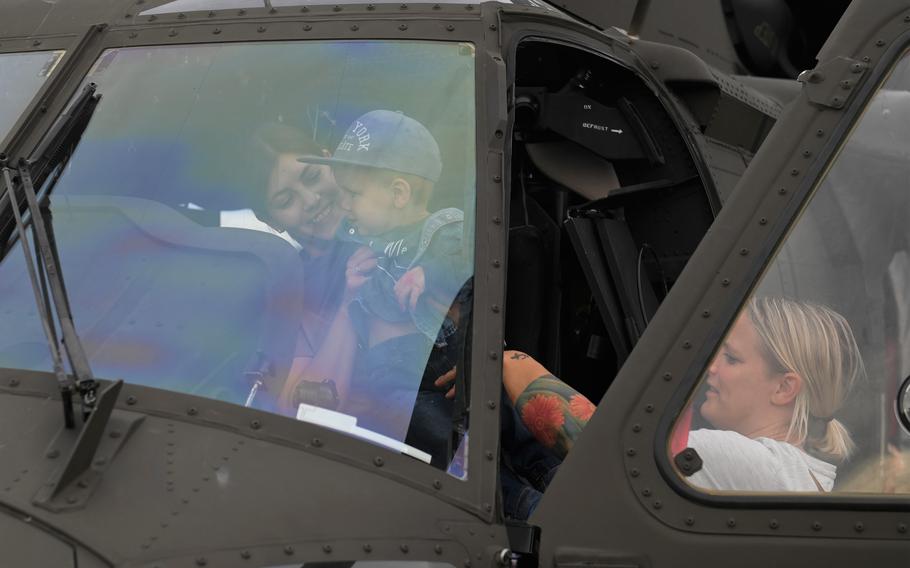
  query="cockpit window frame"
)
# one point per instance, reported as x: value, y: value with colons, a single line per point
x: 757, y: 261
x: 476, y: 494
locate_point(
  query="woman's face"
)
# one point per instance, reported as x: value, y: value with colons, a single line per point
x: 740, y: 383
x: 302, y: 198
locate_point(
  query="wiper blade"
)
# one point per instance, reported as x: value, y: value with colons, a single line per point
x: 44, y: 268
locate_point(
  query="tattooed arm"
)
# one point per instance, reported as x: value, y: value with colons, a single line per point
x: 553, y: 412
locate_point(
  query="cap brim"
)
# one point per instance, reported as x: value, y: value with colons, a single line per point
x: 328, y: 161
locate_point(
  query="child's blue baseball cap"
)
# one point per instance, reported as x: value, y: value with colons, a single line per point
x: 389, y: 140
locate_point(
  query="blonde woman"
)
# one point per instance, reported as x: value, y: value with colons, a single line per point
x: 782, y: 374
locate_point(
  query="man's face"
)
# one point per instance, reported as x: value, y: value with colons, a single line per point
x: 369, y: 201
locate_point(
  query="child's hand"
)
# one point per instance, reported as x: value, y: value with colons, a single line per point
x: 359, y: 268
x: 410, y: 287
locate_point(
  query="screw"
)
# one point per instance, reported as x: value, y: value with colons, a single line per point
x: 316, y: 442
x: 355, y: 27
x: 636, y: 428
x: 649, y: 408
x: 371, y: 7
x: 901, y: 528
x: 690, y: 521
x: 846, y: 85
x: 71, y: 500
x: 806, y: 153
x: 437, y: 549
x: 201, y: 561
x: 631, y: 452
x: 289, y: 550
x: 192, y: 411
x: 53, y: 454
x: 493, y: 27
x: 725, y: 282
x: 403, y: 27
x: 731, y: 522
x: 795, y: 172
x: 172, y: 33
x: 100, y: 462
x: 496, y: 264
x: 14, y: 382
x: 131, y: 400
x: 634, y: 472
x: 658, y: 504
x: 816, y: 526
x: 773, y: 524
x: 487, y: 507
x: 245, y: 554
x: 367, y: 548
x: 404, y: 548
x: 255, y: 424
x: 646, y: 492
x: 819, y: 132
x: 859, y: 527
x: 327, y: 548
x: 437, y: 484
x: 260, y: 29
x: 494, y: 355
x: 744, y: 252
x: 907, y: 18
x: 497, y: 220
x: 687, y: 344
x: 491, y: 404
x: 495, y: 309
x: 880, y: 43
x: 404, y: 6
x: 782, y: 190
x: 498, y: 134
x: 704, y: 314
x: 241, y: 12
x: 497, y: 178
x: 763, y: 221
x: 450, y: 28
x: 489, y: 455
x: 378, y: 461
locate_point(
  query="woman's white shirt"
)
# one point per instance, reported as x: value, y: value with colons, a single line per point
x: 733, y: 462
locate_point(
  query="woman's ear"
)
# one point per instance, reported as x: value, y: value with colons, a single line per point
x: 788, y: 388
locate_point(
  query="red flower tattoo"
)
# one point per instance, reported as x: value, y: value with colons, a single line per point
x: 542, y: 414
x: 581, y: 407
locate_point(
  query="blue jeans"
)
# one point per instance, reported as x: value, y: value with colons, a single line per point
x: 526, y: 466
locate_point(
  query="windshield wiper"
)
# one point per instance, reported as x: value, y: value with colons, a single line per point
x: 44, y: 270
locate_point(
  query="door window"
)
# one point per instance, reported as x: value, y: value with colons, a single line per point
x: 801, y: 394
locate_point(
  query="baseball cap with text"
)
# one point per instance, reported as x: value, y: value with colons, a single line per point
x: 389, y: 140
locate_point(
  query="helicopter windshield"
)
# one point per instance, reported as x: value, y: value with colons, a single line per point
x: 285, y: 226
x: 21, y: 75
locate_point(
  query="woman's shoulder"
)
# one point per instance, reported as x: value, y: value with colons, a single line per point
x: 731, y: 461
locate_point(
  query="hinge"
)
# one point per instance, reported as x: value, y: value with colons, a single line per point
x: 832, y: 83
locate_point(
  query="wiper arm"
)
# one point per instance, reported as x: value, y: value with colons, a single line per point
x: 44, y: 269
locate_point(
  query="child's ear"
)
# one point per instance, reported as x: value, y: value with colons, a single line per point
x: 401, y: 192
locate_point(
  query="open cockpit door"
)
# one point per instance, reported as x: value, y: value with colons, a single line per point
x: 755, y: 421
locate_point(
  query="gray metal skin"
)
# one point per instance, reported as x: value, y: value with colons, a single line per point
x: 185, y: 481
x: 617, y: 500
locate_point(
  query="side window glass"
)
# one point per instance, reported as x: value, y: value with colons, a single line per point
x: 21, y: 75
x: 801, y: 394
